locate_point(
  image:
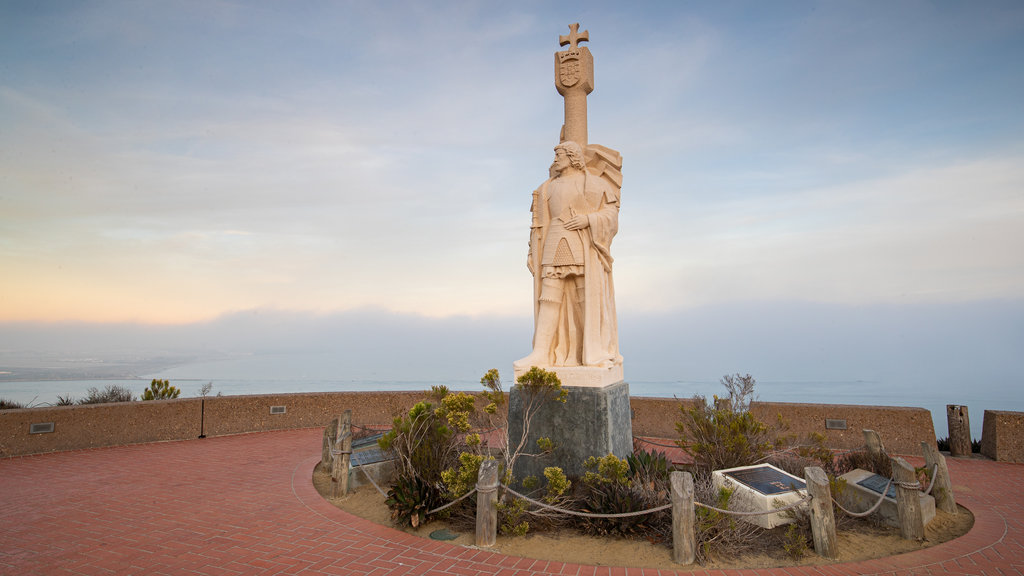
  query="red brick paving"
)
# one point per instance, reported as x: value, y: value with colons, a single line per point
x: 241, y: 505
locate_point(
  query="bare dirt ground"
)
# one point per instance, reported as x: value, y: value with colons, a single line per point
x: 861, y: 541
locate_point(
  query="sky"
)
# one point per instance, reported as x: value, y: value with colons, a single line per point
x: 792, y: 166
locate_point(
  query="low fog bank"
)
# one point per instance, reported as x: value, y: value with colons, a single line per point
x: 926, y: 347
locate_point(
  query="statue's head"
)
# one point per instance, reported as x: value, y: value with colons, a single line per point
x: 574, y: 153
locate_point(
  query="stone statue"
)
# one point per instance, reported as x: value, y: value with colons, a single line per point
x: 575, y: 217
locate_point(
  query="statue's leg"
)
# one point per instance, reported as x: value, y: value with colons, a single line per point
x: 547, y: 322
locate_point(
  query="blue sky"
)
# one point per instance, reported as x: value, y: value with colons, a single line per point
x: 172, y: 162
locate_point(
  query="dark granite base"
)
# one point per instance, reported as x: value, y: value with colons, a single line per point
x: 592, y: 422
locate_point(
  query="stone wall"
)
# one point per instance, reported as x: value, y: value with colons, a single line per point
x: 1002, y: 436
x: 902, y: 429
x: 96, y: 425
x: 92, y: 426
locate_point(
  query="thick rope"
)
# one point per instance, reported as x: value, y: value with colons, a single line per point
x: 871, y: 510
x: 790, y: 506
x: 935, y: 472
x: 584, y: 514
x: 452, y: 503
x: 645, y: 441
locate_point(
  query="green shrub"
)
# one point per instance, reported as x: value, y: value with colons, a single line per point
x: 719, y: 438
x: 6, y: 404
x: 112, y: 393
x: 794, y: 542
x: 160, y: 390
x: 608, y: 469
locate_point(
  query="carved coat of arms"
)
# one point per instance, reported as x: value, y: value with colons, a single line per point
x: 569, y: 72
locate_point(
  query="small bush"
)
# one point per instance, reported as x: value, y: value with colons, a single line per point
x: 160, y: 390
x: 726, y: 435
x: 6, y: 404
x: 65, y: 400
x: 879, y: 463
x: 794, y: 542
x: 943, y: 445
x: 716, y: 532
x: 112, y: 393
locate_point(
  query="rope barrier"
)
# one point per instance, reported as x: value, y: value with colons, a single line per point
x: 935, y: 471
x: 871, y: 510
x: 452, y: 503
x: 645, y: 441
x: 790, y: 506
x: 584, y: 514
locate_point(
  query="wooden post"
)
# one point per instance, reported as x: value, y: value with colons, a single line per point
x: 330, y: 437
x: 487, y: 504
x: 942, y: 488
x: 908, y: 500
x: 684, y: 542
x: 959, y: 430
x: 873, y: 442
x: 341, y: 456
x: 823, y: 521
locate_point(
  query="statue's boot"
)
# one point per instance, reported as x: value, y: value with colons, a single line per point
x: 547, y: 319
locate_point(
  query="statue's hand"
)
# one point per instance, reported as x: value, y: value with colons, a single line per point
x: 529, y: 263
x: 577, y: 223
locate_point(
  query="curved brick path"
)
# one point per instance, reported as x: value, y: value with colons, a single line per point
x: 245, y: 505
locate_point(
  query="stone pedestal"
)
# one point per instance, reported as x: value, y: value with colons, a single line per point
x: 594, y: 421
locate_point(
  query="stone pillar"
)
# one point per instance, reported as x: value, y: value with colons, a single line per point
x: 959, y: 430
x: 574, y: 79
x: 594, y: 421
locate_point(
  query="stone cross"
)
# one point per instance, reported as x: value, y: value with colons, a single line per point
x: 574, y: 37
x: 574, y: 79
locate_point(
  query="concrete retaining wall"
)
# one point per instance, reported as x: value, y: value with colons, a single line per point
x: 1002, y: 435
x: 902, y: 429
x: 96, y: 425
x: 92, y: 426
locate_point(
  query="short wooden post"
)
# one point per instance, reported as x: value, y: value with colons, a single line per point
x: 823, y: 520
x: 487, y: 504
x: 942, y: 487
x: 341, y: 456
x: 330, y: 437
x: 959, y: 430
x: 908, y: 500
x: 873, y: 442
x: 684, y: 542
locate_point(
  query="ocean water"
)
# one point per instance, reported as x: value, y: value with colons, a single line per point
x: 258, y: 375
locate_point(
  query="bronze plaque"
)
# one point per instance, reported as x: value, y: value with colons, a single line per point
x: 767, y: 480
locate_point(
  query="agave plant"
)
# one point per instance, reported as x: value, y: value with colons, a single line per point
x: 410, y: 499
x: 649, y: 469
